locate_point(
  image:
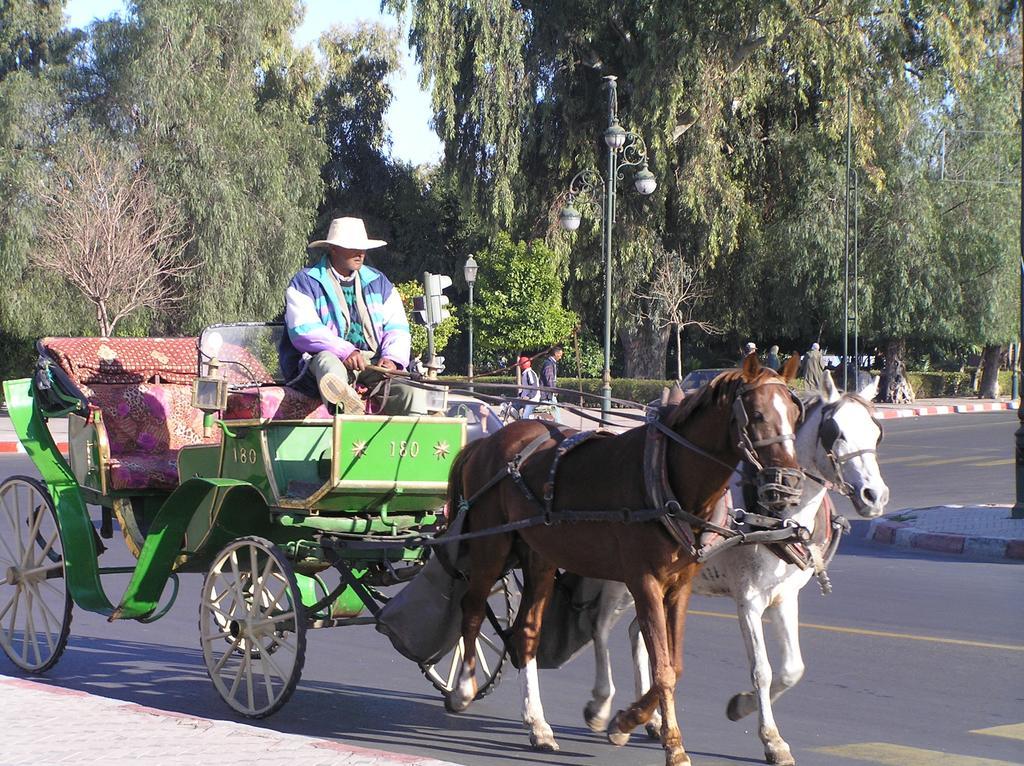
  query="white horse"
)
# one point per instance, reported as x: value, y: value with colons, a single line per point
x: 838, y: 440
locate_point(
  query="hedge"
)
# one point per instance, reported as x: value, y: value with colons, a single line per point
x: 927, y: 385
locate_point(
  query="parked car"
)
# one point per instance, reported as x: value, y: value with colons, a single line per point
x: 697, y: 378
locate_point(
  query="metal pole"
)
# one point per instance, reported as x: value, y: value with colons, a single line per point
x: 1018, y: 506
x: 856, y: 285
x: 470, y: 336
x: 609, y: 220
x: 846, y: 239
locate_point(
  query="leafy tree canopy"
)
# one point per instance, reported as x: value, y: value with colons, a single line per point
x: 520, y: 305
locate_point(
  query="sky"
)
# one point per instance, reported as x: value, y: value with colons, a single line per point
x: 409, y: 116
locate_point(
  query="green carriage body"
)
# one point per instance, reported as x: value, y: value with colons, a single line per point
x: 295, y: 482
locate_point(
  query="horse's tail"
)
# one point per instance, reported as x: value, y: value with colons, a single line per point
x: 455, y: 483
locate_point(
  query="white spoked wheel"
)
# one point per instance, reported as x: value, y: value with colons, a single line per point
x: 35, y: 606
x: 490, y: 645
x: 252, y: 627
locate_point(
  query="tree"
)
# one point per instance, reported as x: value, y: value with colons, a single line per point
x: 34, y: 53
x: 520, y: 299
x: 978, y: 199
x: 107, y: 235
x: 218, y: 101
x: 675, y: 293
x: 717, y: 91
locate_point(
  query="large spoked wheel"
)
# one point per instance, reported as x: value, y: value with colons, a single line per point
x: 35, y: 606
x: 490, y: 645
x: 252, y: 627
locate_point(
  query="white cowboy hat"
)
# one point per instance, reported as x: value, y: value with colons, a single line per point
x: 349, y: 233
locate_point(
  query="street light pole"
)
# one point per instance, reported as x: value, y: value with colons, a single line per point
x: 625, y: 149
x: 609, y: 221
x: 1018, y: 506
x: 469, y: 272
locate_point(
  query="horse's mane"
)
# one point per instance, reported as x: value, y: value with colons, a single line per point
x: 718, y: 391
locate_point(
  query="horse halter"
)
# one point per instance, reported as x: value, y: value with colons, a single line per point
x: 777, y: 487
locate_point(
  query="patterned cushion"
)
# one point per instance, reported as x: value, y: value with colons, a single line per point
x: 139, y: 471
x: 125, y: 360
x: 273, y: 403
x: 147, y: 418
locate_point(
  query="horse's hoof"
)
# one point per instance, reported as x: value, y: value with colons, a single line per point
x: 453, y: 705
x: 653, y: 730
x: 615, y: 735
x: 780, y: 756
x: 677, y: 758
x: 595, y: 721
x: 734, y: 710
x: 618, y: 738
x: 544, y: 745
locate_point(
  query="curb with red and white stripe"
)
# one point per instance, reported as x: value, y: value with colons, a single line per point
x: 15, y: 446
x: 943, y: 409
x: 902, y: 534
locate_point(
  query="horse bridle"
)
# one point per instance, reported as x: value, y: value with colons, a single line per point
x: 829, y: 433
x: 777, y: 487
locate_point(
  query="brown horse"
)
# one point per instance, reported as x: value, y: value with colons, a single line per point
x: 748, y: 414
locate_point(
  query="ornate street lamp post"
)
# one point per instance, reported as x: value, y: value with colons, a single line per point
x: 469, y: 272
x: 625, y: 149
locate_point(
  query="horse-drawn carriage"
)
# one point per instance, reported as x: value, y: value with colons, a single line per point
x: 299, y: 516
x: 208, y: 463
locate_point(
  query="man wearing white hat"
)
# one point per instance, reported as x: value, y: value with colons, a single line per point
x: 342, y: 316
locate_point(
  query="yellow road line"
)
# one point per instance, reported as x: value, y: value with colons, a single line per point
x: 1010, y: 731
x: 962, y: 427
x: 923, y: 462
x: 882, y: 633
x: 905, y: 459
x: 899, y: 755
x: 990, y: 463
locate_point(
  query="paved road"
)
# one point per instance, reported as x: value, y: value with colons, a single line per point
x: 908, y: 659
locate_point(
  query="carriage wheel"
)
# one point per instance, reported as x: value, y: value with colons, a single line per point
x: 252, y: 627
x: 35, y: 606
x: 490, y: 645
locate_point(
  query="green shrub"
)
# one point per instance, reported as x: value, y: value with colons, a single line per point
x: 933, y: 385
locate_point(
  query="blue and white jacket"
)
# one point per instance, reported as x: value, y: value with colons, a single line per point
x: 316, y: 322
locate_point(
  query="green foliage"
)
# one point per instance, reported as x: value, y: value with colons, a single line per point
x: 520, y: 299
x: 934, y: 385
x: 442, y: 333
x: 217, y: 100
x: 743, y: 109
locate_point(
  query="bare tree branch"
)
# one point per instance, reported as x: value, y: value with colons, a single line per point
x: 109, y: 236
x: 675, y: 294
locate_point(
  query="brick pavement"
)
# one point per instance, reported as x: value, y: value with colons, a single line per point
x: 48, y: 725
x: 981, y: 531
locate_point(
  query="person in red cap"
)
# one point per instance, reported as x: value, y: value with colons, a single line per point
x: 530, y: 383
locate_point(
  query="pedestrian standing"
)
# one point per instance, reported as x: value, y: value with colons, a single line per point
x: 813, y: 368
x: 772, y: 361
x: 530, y: 383
x: 549, y: 376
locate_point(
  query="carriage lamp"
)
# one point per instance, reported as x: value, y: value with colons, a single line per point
x: 210, y: 390
x: 625, y: 149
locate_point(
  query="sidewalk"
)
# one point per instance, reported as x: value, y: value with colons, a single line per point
x: 53, y: 725
x: 982, y: 531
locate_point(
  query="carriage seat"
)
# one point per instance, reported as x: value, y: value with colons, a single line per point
x: 143, y: 389
x: 273, y: 403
